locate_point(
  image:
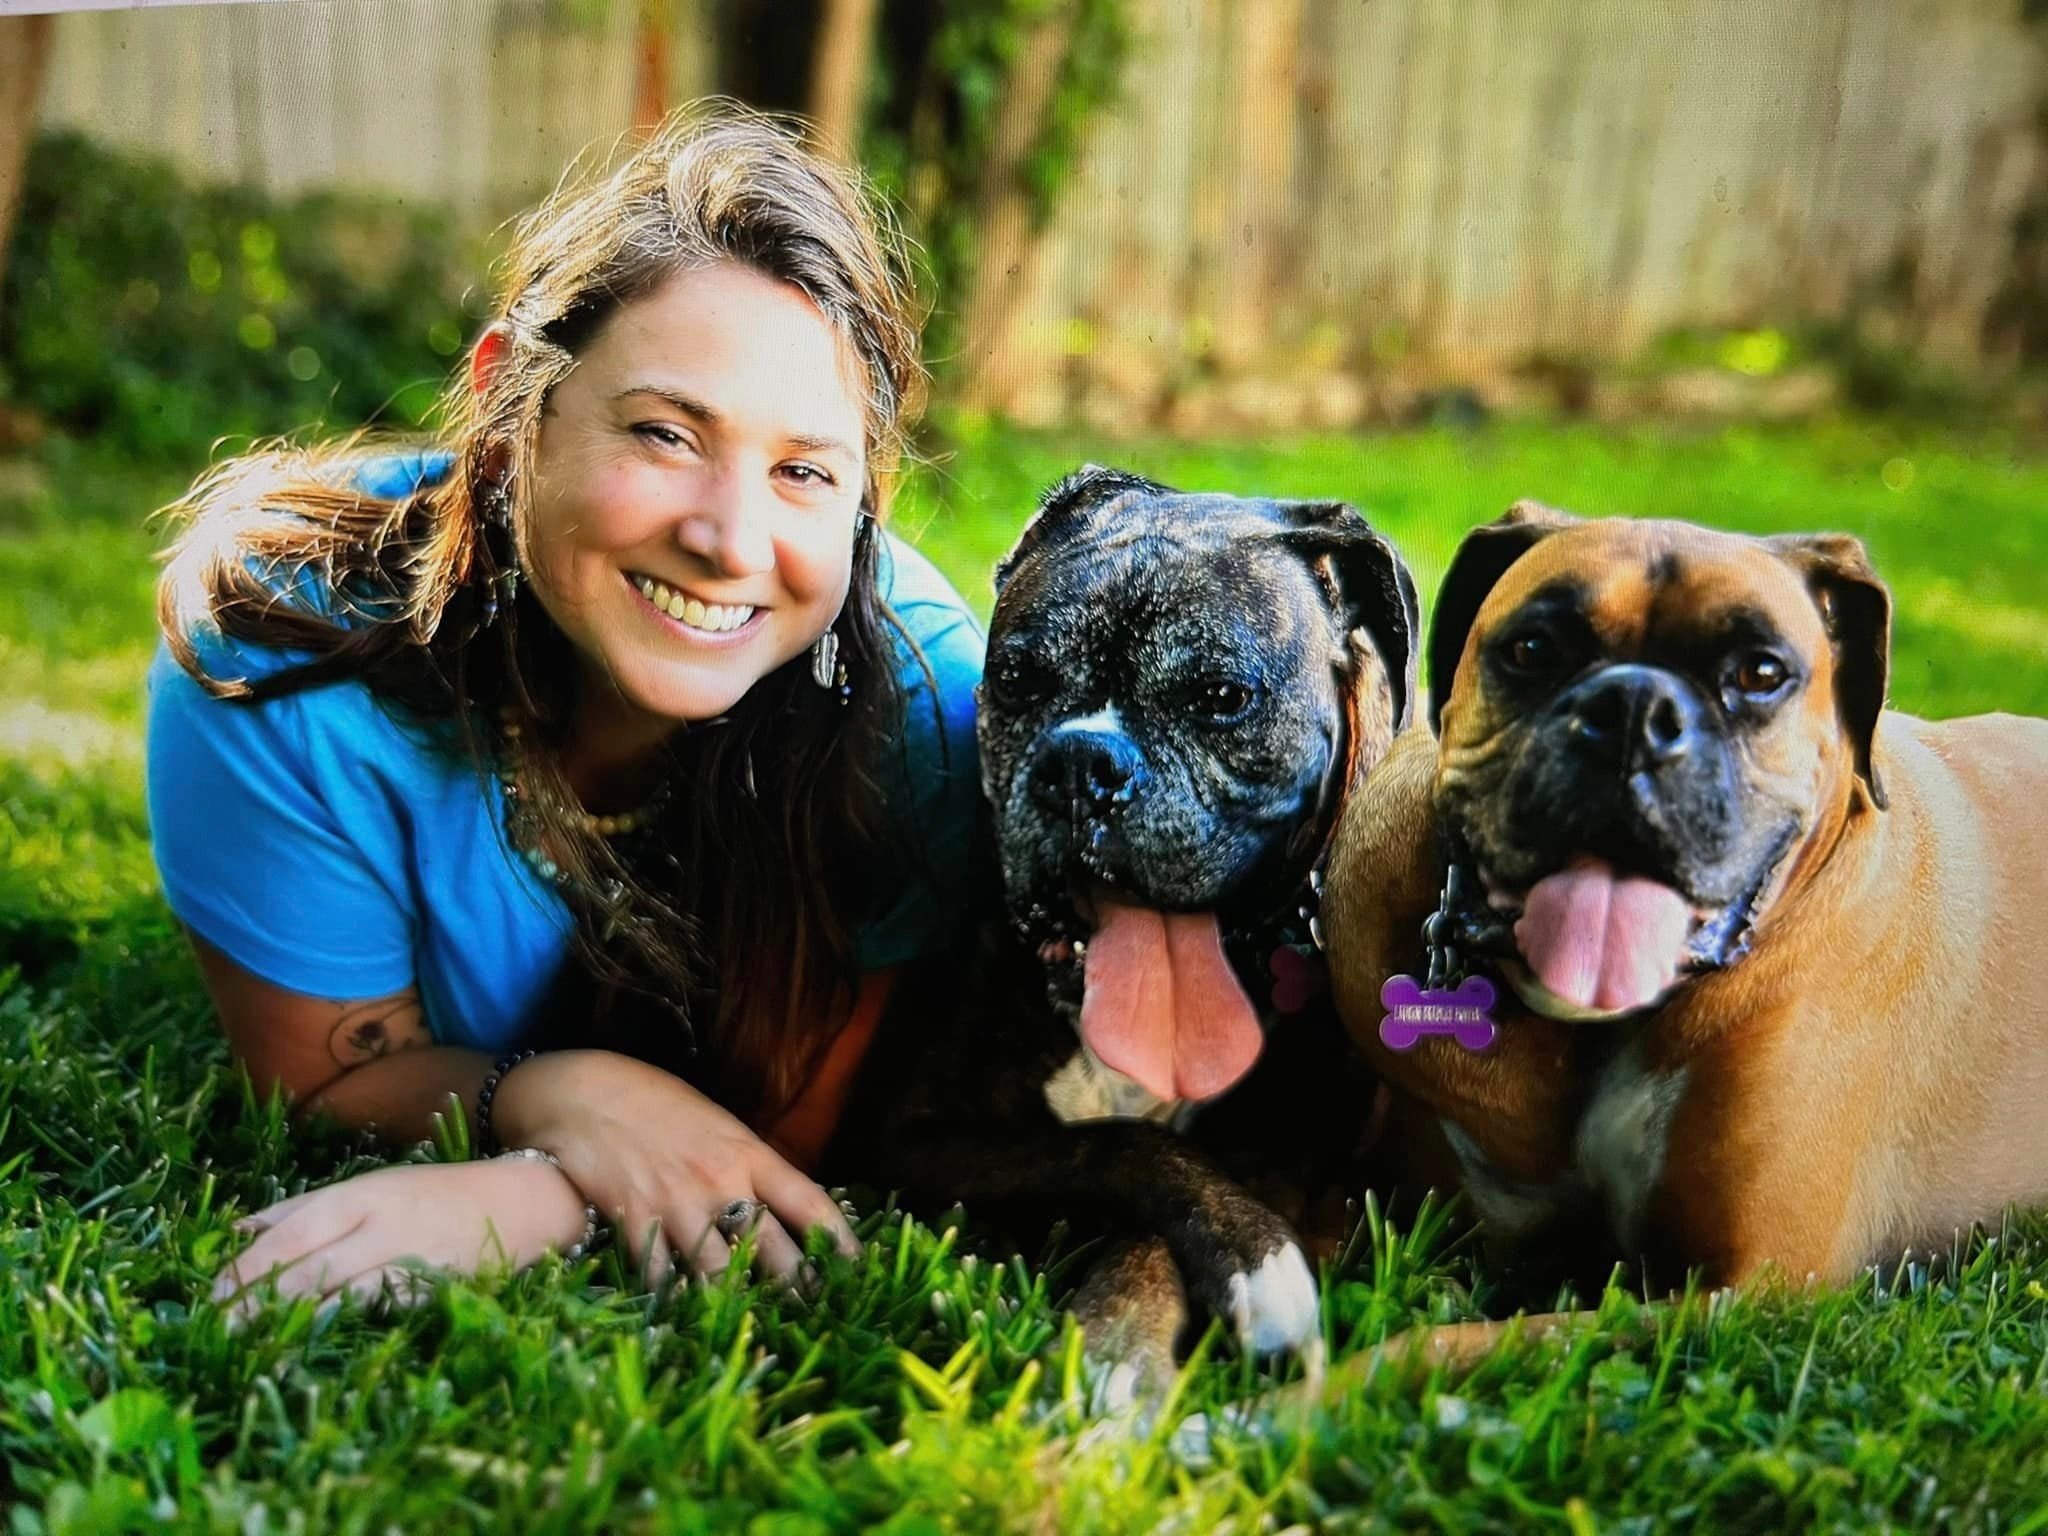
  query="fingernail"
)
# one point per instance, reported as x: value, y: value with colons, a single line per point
x: 251, y: 1224
x: 223, y: 1288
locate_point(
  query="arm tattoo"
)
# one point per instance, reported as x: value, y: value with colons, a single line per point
x: 365, y: 1031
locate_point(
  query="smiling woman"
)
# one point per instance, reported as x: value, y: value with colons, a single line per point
x: 727, y: 392
x: 627, y: 673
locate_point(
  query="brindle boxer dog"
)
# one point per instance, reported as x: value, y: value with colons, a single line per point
x: 1773, y: 959
x: 1180, y: 689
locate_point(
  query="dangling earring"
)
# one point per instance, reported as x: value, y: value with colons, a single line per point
x: 504, y: 585
x: 827, y: 670
x: 825, y: 658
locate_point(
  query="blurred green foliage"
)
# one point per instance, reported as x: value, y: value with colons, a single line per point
x: 1875, y: 376
x: 158, y: 316
x: 935, y: 103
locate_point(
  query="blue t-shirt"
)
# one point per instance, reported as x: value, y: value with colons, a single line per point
x: 327, y: 848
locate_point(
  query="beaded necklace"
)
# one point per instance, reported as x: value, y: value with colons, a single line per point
x: 523, y: 823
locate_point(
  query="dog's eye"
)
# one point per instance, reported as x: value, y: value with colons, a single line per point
x: 1018, y: 678
x: 1219, y: 700
x: 1532, y: 654
x: 1760, y: 675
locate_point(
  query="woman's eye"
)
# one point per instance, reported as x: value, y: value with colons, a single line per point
x: 807, y: 474
x: 660, y: 434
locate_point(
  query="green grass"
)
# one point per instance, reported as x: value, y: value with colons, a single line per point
x: 923, y: 1390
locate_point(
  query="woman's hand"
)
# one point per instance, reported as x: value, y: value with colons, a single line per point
x: 660, y: 1161
x: 361, y: 1236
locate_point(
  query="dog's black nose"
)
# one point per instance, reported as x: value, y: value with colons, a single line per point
x: 1641, y: 718
x: 1080, y: 765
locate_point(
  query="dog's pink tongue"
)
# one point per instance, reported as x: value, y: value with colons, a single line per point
x: 1598, y: 942
x: 1161, y: 1004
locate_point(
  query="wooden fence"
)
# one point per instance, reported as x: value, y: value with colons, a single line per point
x: 478, y: 104
x: 1290, y: 196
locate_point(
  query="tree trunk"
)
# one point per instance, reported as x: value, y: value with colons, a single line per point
x: 653, y: 30
x: 1266, y: 50
x: 24, y: 58
x: 840, y: 64
x: 1004, y: 229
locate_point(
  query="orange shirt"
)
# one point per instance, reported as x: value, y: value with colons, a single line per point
x: 805, y: 1128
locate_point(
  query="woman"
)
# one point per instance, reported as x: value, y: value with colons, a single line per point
x: 630, y: 670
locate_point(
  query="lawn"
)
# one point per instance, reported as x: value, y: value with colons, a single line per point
x: 930, y: 1387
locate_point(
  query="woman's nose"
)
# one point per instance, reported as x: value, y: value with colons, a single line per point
x: 731, y: 527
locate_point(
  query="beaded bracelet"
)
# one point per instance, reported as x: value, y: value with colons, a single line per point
x: 486, y: 1142
x: 588, y: 1240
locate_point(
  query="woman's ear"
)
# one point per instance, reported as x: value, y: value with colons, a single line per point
x: 493, y: 349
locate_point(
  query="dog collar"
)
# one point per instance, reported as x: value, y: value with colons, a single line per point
x: 1287, y: 952
x: 1447, y: 1001
x: 1463, y: 926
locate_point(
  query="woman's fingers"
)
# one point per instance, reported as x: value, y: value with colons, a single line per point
x: 394, y: 1284
x: 646, y: 1240
x: 326, y: 1270
x: 775, y: 1251
x: 274, y: 1214
x: 700, y: 1247
x: 279, y: 1248
x: 800, y: 1203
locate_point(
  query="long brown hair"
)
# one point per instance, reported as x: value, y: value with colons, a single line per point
x: 737, y: 907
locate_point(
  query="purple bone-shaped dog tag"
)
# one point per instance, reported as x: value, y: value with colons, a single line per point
x: 1413, y: 1011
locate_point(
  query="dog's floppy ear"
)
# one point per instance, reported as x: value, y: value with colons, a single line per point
x: 1479, y: 564
x: 1089, y: 486
x: 1857, y: 609
x: 1374, y: 593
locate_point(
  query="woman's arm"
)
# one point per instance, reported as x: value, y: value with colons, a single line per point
x: 656, y: 1157
x: 367, y: 1064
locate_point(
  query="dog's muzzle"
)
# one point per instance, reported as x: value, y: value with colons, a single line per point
x: 1085, y: 767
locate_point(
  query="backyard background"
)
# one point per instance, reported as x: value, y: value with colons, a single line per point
x: 1766, y: 264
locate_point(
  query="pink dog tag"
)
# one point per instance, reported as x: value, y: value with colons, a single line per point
x: 1463, y: 1012
x: 1297, y: 980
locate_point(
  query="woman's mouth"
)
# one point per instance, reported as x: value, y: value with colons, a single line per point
x: 696, y: 618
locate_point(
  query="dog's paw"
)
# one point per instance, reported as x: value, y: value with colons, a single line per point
x: 1275, y: 1306
x: 1128, y: 1372
x: 1124, y: 1387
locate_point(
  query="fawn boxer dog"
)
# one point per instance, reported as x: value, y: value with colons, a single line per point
x: 1180, y: 690
x: 1773, y: 960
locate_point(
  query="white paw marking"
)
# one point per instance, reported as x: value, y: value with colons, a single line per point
x: 1193, y: 1441
x: 1117, y: 1390
x: 1275, y: 1307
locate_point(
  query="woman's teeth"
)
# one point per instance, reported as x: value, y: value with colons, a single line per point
x: 712, y: 618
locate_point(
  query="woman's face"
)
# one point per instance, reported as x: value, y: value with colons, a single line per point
x: 697, y: 491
